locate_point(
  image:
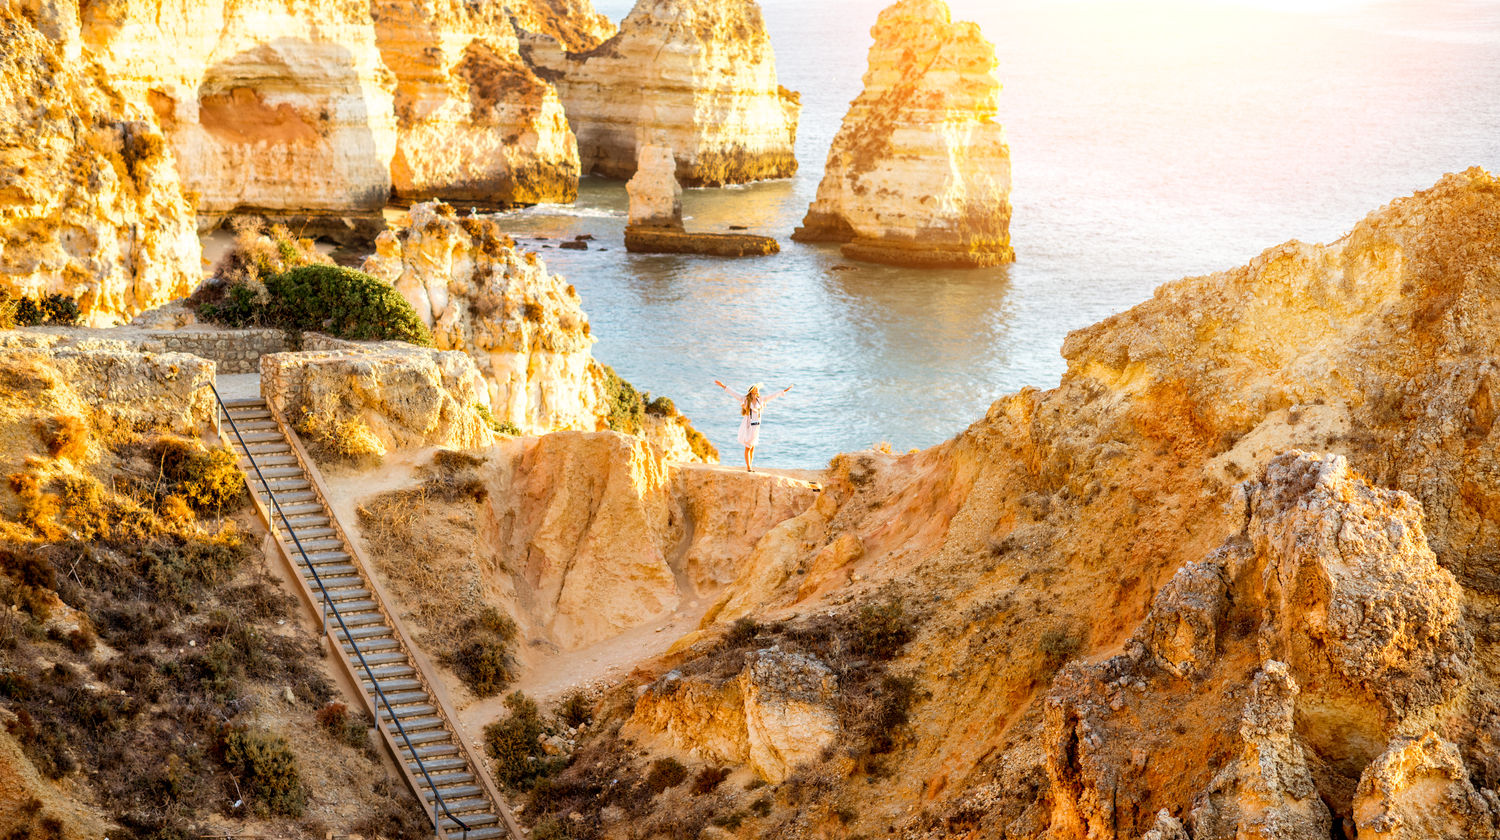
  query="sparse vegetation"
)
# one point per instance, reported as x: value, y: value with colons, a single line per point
x: 665, y: 773
x: 627, y: 409
x: 48, y: 310
x: 575, y: 710
x: 65, y: 436
x: 346, y: 441
x: 272, y: 279
x: 265, y: 764
x: 484, y: 661
x: 515, y: 744
x: 337, y: 721
x: 503, y: 427
x: 1057, y: 646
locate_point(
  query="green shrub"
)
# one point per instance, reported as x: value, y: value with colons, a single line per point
x: 881, y: 630
x: 665, y: 773
x: 59, y: 309
x: 627, y: 411
x: 484, y: 662
x: 504, y: 427
x: 661, y: 407
x: 515, y: 743
x: 54, y: 309
x: 699, y: 443
x: 344, y: 303
x: 265, y: 764
x: 575, y: 710
x: 239, y: 308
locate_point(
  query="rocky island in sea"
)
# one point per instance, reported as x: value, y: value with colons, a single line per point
x: 1232, y: 577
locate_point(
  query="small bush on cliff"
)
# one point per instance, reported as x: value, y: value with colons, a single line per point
x: 344, y: 303
x: 502, y: 427
x: 265, y: 763
x: 881, y: 630
x: 47, y: 310
x: 515, y: 743
x: 484, y: 660
x: 665, y: 773
x: 205, y: 478
x: 627, y: 409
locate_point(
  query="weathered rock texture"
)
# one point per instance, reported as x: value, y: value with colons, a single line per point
x: 572, y: 23
x: 774, y: 715
x: 1419, y: 788
x: 1267, y: 792
x: 523, y: 327
x: 919, y: 173
x: 90, y: 204
x: 382, y: 396
x: 268, y: 104
x: 698, y: 76
x: 1293, y: 461
x: 655, y: 195
x: 475, y: 123
x: 598, y: 533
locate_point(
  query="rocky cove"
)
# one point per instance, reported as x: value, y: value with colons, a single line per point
x: 1230, y: 577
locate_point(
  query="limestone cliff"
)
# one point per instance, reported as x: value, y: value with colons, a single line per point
x: 919, y: 173
x: 699, y: 77
x: 572, y: 23
x: 278, y: 105
x: 90, y: 204
x: 1280, y: 469
x: 475, y: 123
x: 523, y: 326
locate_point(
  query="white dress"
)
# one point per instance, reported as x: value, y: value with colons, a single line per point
x: 750, y: 424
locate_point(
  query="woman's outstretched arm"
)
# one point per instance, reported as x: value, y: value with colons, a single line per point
x: 778, y: 393
x: 728, y: 390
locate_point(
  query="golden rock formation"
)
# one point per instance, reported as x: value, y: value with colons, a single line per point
x: 90, y: 204
x: 572, y: 23
x: 475, y: 123
x: 699, y: 77
x: 277, y: 105
x: 919, y: 173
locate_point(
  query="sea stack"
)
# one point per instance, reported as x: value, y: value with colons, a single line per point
x: 655, y: 195
x: 474, y: 122
x: 698, y: 74
x: 919, y: 174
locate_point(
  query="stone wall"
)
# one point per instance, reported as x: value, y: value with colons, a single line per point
x: 233, y: 351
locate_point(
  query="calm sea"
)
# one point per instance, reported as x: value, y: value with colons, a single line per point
x: 1150, y: 141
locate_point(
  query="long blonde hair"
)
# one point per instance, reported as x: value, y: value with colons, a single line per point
x: 747, y: 406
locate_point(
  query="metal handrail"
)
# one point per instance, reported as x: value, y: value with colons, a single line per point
x: 329, y: 605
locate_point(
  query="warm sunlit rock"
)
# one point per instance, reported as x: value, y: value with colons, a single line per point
x: 655, y: 195
x: 1419, y: 789
x: 90, y: 204
x: 699, y: 77
x: 572, y: 23
x: 919, y: 174
x: 523, y: 326
x: 474, y: 122
x: 277, y: 105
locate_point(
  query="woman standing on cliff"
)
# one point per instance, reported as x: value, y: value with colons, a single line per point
x: 752, y: 405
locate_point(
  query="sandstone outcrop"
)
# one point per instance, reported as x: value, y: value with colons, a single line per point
x: 373, y: 398
x: 699, y: 77
x: 276, y: 105
x: 777, y: 713
x: 1102, y: 568
x: 599, y: 533
x: 1419, y: 788
x: 919, y: 173
x: 574, y: 24
x: 90, y: 203
x: 475, y: 123
x: 1267, y: 792
x: 523, y: 327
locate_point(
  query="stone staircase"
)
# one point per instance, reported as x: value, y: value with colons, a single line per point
x: 374, y: 651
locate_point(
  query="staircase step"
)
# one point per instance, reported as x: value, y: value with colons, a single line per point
x: 343, y: 595
x: 374, y: 631
x: 452, y: 794
x: 313, y: 545
x: 421, y: 723
x: 302, y: 509
x: 459, y: 807
x: 393, y: 685
x: 378, y: 657
x: 401, y: 669
x: 337, y: 570
x: 402, y: 698
x: 312, y: 532
x: 473, y: 821
x: 288, y: 497
x: 358, y: 619
x: 271, y: 472
x: 369, y: 646
x: 252, y: 437
x: 427, y: 751
x: 462, y: 777
x: 426, y: 736
x: 488, y: 832
x: 255, y: 423
x: 268, y: 459
x: 438, y: 765
x: 409, y: 711
x: 334, y: 584
x: 348, y: 607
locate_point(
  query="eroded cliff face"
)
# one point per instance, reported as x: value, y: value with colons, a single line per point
x: 523, y: 327
x: 277, y: 105
x: 571, y: 23
x: 90, y: 204
x: 699, y: 77
x: 475, y: 123
x: 919, y: 173
x: 1277, y: 470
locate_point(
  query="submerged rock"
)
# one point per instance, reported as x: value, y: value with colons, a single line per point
x: 919, y: 173
x: 655, y: 222
x: 698, y: 76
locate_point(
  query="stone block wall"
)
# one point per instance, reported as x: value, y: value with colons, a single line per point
x: 233, y: 351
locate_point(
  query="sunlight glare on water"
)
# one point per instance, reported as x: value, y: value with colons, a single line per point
x: 1150, y: 141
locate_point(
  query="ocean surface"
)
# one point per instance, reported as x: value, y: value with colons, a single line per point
x: 1150, y: 141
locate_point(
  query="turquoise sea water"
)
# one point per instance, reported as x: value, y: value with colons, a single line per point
x: 1150, y: 141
